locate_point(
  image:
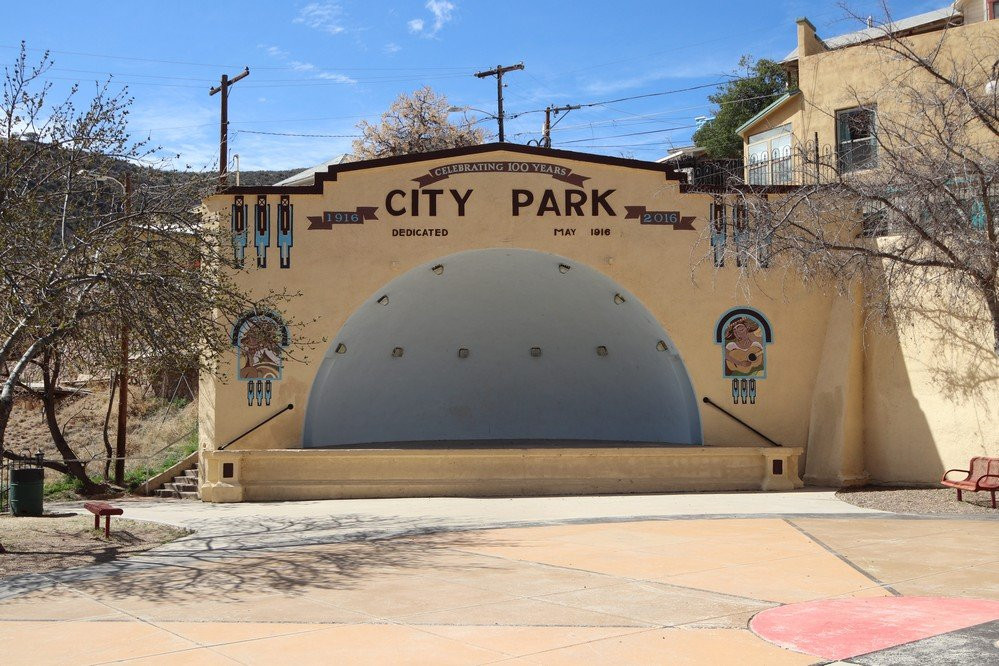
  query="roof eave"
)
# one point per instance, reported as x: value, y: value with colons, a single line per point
x: 776, y: 104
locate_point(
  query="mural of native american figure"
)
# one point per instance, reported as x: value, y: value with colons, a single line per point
x: 743, y: 334
x: 260, y: 340
x: 238, y: 222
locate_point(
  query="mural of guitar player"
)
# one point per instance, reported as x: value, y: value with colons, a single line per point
x: 260, y: 339
x: 744, y: 354
x: 743, y: 334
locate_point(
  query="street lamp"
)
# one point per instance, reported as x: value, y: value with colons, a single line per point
x: 456, y: 109
x: 119, y: 462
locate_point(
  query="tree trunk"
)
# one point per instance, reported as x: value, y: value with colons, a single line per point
x: 992, y: 301
x: 47, y: 464
x: 6, y: 406
x: 7, y: 390
x: 50, y: 375
x: 108, y: 449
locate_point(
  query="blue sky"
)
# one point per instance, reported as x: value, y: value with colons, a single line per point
x: 318, y: 68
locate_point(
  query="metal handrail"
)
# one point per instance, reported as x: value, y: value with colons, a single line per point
x: 272, y: 416
x: 738, y: 420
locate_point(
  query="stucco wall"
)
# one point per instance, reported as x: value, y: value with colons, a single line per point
x: 338, y: 269
x: 932, y: 382
x: 931, y: 385
x: 864, y: 74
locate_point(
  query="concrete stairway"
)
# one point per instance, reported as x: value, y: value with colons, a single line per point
x: 184, y: 486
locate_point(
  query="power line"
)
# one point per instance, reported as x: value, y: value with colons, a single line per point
x: 261, y: 83
x: 658, y: 94
x: 189, y: 63
x: 315, y: 136
x: 615, y: 136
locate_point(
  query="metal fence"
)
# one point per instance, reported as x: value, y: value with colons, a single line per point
x: 807, y: 164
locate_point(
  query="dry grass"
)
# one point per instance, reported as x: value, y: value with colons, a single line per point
x: 153, y: 423
x: 65, y: 541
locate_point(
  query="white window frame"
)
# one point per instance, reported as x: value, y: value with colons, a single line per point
x: 775, y: 168
x: 845, y: 147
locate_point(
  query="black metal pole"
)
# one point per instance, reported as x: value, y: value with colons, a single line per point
x: 272, y: 416
x: 738, y: 420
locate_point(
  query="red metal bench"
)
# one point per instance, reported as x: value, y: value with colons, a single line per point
x: 103, y: 509
x: 982, y: 475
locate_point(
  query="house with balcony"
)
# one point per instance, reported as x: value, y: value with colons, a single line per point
x: 826, y: 123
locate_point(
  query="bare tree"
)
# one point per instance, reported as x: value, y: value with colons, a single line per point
x: 912, y: 206
x: 416, y: 123
x: 85, y: 256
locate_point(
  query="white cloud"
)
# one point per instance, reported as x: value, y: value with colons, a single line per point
x: 302, y: 66
x: 391, y: 47
x: 701, y: 69
x: 323, y: 16
x: 442, y: 12
x: 333, y: 76
x: 441, y: 9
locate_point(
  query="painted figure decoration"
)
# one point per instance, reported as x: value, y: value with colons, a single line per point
x: 286, y: 223
x: 262, y: 229
x: 260, y: 340
x: 238, y: 226
x: 743, y: 334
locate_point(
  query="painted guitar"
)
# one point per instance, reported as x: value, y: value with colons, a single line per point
x: 743, y: 362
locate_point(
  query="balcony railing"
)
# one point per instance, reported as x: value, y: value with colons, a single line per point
x: 804, y: 165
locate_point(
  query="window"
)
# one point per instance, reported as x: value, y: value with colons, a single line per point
x: 856, y: 138
x: 770, y: 157
x: 974, y: 208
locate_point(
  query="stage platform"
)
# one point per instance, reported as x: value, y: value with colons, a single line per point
x: 491, y: 469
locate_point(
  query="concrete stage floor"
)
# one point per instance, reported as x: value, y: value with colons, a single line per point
x: 748, y: 578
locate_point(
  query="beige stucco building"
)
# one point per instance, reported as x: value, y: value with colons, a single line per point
x: 502, y: 320
x: 929, y: 384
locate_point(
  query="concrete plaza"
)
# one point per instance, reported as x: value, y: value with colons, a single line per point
x: 749, y: 578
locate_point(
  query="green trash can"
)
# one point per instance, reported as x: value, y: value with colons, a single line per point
x: 26, y: 488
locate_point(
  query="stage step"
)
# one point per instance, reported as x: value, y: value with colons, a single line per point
x: 184, y: 486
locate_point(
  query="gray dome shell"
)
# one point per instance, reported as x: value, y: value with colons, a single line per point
x: 499, y: 304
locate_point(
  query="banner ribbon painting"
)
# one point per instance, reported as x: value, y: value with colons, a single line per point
x: 560, y: 173
x: 331, y: 217
x: 664, y: 217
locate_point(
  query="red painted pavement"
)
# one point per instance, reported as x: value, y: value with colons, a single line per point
x: 842, y: 628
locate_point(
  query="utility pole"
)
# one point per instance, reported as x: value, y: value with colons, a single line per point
x: 498, y: 73
x: 119, y: 456
x: 223, y: 88
x: 546, y: 131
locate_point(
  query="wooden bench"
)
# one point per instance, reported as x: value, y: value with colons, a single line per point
x: 103, y: 509
x: 983, y: 474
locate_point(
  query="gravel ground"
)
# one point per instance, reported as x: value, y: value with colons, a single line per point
x: 918, y: 500
x: 64, y: 540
